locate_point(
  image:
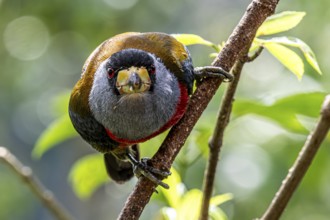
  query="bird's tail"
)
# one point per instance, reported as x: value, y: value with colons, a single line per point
x: 120, y: 170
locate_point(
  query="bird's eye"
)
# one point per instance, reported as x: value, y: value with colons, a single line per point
x: 111, y: 72
x: 151, y: 69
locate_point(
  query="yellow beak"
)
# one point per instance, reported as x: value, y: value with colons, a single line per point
x: 133, y: 80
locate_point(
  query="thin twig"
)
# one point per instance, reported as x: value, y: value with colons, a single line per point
x: 216, y: 141
x: 25, y: 173
x: 238, y: 42
x: 255, y: 55
x: 302, y: 163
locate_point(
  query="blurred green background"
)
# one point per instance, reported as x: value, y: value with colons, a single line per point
x: 43, y: 45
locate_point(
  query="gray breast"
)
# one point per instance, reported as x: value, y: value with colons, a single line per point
x: 134, y: 116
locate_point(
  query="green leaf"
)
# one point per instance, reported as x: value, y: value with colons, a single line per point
x: 213, y: 55
x: 61, y: 129
x: 192, y: 39
x: 166, y: 213
x: 280, y: 22
x: 217, y: 214
x: 219, y: 199
x: 191, y: 202
x: 190, y: 205
x: 311, y: 59
x: 87, y: 174
x: 174, y: 193
x: 284, y: 111
x: 287, y: 57
x: 296, y: 42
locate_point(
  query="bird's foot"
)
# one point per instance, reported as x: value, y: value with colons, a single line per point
x: 212, y: 71
x: 142, y: 168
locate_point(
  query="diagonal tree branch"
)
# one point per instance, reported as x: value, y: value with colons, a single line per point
x: 300, y: 167
x: 239, y: 42
x: 46, y: 196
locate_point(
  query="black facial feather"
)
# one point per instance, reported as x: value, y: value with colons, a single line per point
x: 130, y: 57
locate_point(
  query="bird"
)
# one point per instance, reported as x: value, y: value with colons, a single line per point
x: 133, y: 87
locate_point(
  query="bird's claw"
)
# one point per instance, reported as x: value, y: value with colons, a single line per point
x: 213, y: 71
x: 141, y: 168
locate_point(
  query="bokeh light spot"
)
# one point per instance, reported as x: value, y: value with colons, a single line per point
x: 247, y: 167
x: 26, y: 38
x: 67, y: 52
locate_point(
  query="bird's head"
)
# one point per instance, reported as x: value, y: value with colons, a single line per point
x: 131, y: 71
